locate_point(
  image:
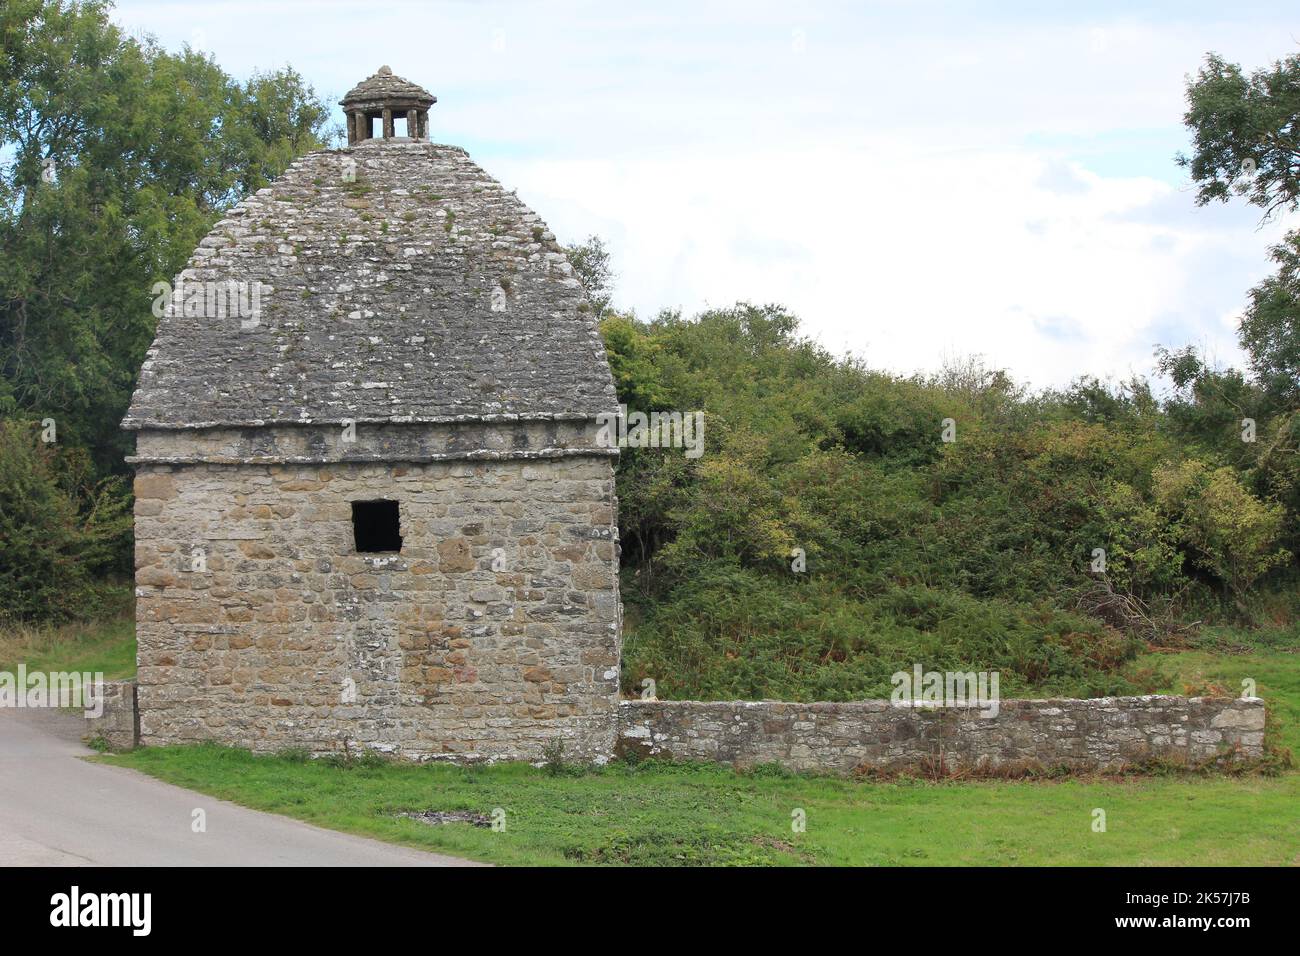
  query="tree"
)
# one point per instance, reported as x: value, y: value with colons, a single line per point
x: 122, y: 158
x: 56, y: 538
x: 590, y: 261
x: 1246, y: 133
x: 1270, y: 327
x: 116, y: 158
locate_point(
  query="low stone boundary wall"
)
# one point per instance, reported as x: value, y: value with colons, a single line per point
x: 1096, y: 734
x: 1103, y: 733
x: 118, y: 724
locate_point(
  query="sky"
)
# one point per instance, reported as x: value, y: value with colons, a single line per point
x: 918, y: 182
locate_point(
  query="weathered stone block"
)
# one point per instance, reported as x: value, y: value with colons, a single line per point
x: 117, y: 723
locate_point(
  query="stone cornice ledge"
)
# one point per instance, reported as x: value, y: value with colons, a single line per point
x: 133, y: 423
x: 377, y: 459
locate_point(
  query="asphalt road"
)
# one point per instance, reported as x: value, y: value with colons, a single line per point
x: 57, y: 809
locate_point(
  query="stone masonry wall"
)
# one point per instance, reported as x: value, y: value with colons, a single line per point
x: 1101, y: 733
x: 494, y: 631
x: 117, y: 723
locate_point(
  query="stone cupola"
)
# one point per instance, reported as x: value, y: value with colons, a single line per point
x: 387, y: 97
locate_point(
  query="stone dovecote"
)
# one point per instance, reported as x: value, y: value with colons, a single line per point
x: 383, y: 335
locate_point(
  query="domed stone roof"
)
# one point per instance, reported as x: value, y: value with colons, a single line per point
x: 396, y: 282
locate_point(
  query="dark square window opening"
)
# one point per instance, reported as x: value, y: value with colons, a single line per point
x: 376, y: 527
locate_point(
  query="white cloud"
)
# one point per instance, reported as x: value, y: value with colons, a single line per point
x: 912, y: 180
x: 889, y: 252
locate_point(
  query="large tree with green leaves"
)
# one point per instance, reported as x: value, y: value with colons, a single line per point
x: 1245, y: 133
x: 115, y: 158
x: 1246, y: 138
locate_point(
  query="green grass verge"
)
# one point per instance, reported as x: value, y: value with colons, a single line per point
x: 106, y: 646
x: 658, y: 814
x: 655, y: 814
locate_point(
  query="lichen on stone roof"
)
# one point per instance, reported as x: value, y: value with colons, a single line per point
x: 395, y: 282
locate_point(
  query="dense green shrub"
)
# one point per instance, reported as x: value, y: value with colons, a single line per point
x: 973, y: 554
x: 59, y: 538
x: 740, y: 633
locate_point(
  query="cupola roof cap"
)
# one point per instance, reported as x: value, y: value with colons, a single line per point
x: 386, y: 89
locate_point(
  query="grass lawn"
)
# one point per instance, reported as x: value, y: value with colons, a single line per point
x: 681, y: 815
x: 657, y: 814
x: 107, y: 647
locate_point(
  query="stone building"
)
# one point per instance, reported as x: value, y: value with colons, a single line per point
x: 371, y: 507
